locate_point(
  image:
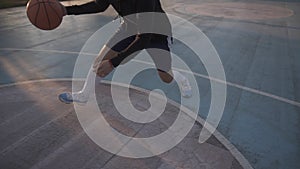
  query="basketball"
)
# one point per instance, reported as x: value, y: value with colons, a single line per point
x: 45, y: 14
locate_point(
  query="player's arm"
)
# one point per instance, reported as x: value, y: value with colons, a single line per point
x: 87, y: 8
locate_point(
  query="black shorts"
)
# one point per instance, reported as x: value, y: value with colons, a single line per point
x: 161, y: 58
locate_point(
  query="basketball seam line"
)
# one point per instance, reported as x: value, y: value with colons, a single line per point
x: 49, y: 26
x: 38, y: 3
x: 55, y: 12
x: 35, y: 19
x: 31, y: 6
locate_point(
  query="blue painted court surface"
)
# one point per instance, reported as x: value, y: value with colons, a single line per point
x: 258, y: 44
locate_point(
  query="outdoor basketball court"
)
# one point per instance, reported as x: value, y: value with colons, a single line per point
x: 257, y: 42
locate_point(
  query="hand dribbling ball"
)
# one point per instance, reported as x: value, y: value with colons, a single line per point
x: 45, y: 14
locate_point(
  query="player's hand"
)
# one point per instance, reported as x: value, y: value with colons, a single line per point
x: 104, y: 68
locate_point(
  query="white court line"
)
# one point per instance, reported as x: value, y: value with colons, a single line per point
x: 42, y: 50
x: 231, y: 148
x: 251, y: 90
x: 292, y: 102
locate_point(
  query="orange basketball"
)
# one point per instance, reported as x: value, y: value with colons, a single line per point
x: 45, y: 14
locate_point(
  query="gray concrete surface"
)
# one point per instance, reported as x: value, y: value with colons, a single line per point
x: 260, y: 56
x: 45, y: 133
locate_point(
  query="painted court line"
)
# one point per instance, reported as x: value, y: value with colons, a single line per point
x: 251, y: 90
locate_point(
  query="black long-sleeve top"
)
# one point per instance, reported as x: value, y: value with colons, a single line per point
x: 125, y: 8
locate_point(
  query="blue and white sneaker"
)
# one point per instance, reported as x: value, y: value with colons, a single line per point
x: 77, y: 97
x: 185, y: 88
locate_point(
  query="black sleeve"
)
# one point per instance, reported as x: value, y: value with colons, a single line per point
x: 88, y: 8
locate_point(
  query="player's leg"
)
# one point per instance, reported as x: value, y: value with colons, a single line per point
x: 184, y: 84
x: 102, y: 66
x: 107, y: 52
x: 83, y: 95
x: 104, y: 54
x: 167, y: 77
x: 160, y: 53
x: 185, y: 87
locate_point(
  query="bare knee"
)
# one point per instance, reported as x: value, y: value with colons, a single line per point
x: 165, y: 77
x: 106, y: 53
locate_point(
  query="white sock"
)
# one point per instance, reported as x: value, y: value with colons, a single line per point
x: 89, y: 82
x: 178, y: 76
